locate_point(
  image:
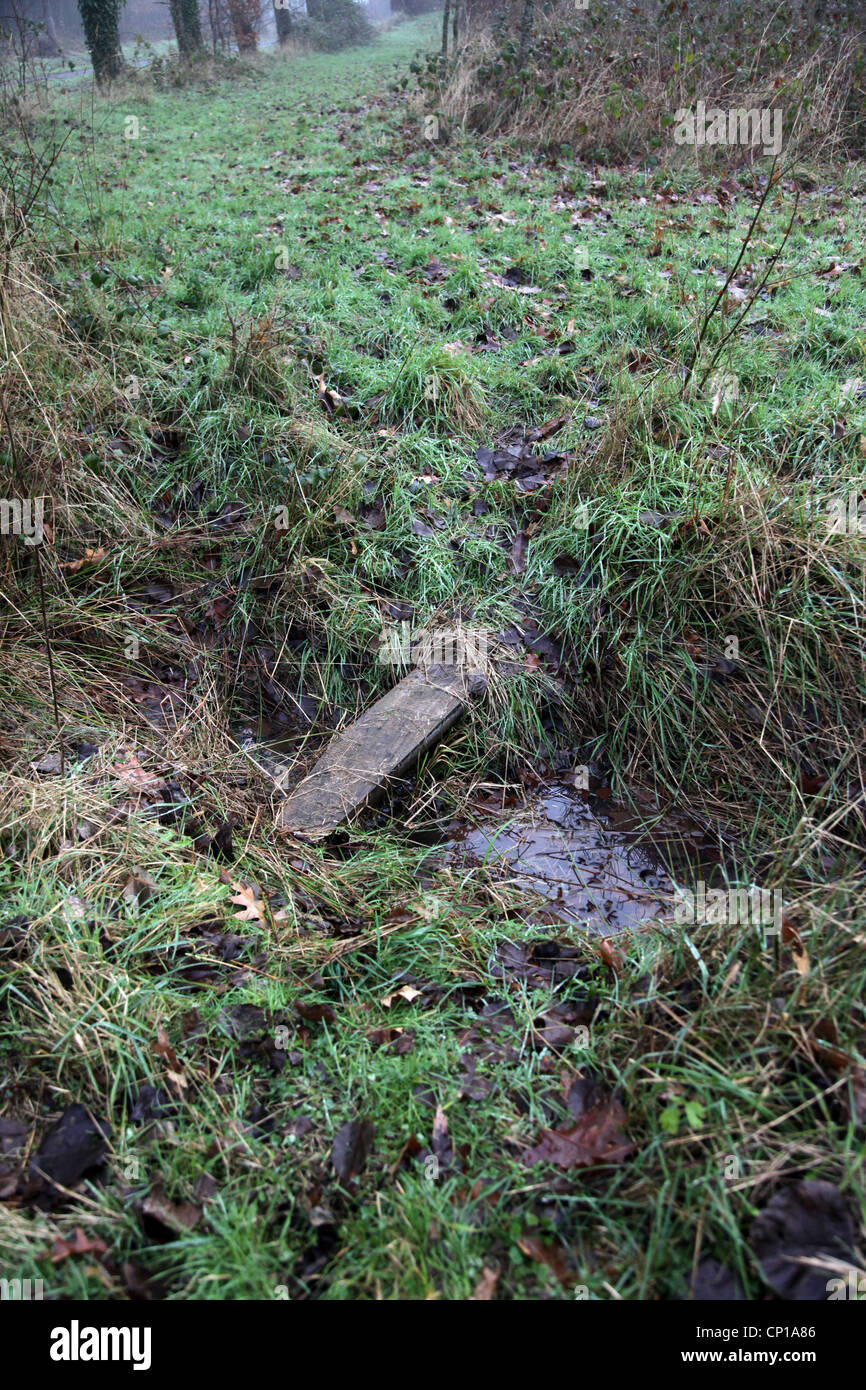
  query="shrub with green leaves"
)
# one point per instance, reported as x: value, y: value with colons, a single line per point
x: 334, y: 24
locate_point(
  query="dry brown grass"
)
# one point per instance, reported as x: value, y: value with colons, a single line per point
x: 617, y: 93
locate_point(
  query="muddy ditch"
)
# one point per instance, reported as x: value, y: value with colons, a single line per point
x: 575, y: 856
x: 597, y: 866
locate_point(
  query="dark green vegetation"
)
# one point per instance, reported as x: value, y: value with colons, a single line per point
x: 249, y: 355
x: 100, y: 18
x: 187, y: 26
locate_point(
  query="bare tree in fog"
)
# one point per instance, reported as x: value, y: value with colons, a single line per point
x: 246, y: 17
x: 220, y: 24
x: 28, y: 28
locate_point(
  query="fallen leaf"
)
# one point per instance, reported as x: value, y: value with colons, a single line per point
x: 174, y: 1071
x: 596, y: 1138
x: 50, y: 765
x: 219, y: 611
x: 353, y: 1144
x: 80, y: 1244
x: 316, y: 1013
x: 486, y: 1286
x: 253, y: 908
x: 72, y: 1147
x: 330, y: 400
x: 134, y: 774
x: 824, y: 1048
x: 517, y: 553
x: 800, y: 1238
x: 800, y: 956
x: 172, y: 1218
x: 90, y: 557
x: 406, y: 992
x: 611, y: 958
x: 553, y: 1256
x: 441, y: 1141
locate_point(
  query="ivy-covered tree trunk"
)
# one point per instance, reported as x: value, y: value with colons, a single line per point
x: 445, y: 13
x: 187, y: 26
x: 177, y: 22
x: 100, y: 19
x: 192, y: 24
x: 283, y: 20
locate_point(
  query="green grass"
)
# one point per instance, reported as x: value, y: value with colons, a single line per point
x: 164, y: 253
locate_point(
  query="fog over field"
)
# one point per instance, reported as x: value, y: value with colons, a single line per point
x: 61, y: 26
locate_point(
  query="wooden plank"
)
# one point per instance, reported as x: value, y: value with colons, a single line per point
x: 382, y: 745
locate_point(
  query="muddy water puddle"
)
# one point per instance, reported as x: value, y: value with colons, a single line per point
x: 577, y: 859
x: 601, y: 867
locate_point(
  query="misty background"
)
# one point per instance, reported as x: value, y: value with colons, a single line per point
x: 61, y: 27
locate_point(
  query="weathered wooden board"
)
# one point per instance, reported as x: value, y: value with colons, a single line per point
x: 382, y: 745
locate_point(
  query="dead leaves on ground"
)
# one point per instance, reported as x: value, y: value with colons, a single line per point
x: 824, y: 1049
x: 399, y: 1041
x: 174, y: 1073
x: 90, y: 557
x: 514, y: 458
x: 163, y: 1218
x: 79, y: 1244
x: 134, y: 775
x: 802, y: 1238
x: 598, y: 1138
x: 408, y: 993
x: 486, y: 1286
x: 253, y: 909
x: 353, y: 1144
x: 74, y: 1147
x: 328, y: 398
x: 799, y: 955
x: 131, y: 1278
x: 553, y: 1257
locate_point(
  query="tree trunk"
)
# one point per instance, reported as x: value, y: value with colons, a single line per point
x: 48, y: 45
x: 283, y: 20
x: 245, y: 15
x: 192, y: 25
x: 99, y: 18
x: 525, y: 31
x: 187, y: 26
x: 454, y: 26
x: 219, y: 21
x: 177, y: 24
x: 445, y: 14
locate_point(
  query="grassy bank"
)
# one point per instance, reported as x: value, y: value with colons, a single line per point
x: 251, y: 355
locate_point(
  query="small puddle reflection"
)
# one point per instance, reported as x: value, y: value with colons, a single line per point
x: 596, y: 864
x: 604, y: 868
